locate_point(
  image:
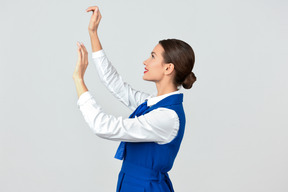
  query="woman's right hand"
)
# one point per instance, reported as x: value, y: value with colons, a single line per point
x: 95, y: 18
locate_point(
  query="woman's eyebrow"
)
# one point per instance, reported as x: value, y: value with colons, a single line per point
x: 153, y: 53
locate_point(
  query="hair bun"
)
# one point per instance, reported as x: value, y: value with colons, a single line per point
x: 189, y: 80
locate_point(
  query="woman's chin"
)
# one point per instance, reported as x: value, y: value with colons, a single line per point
x: 145, y: 78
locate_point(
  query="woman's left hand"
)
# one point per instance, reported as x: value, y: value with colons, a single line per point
x: 82, y: 62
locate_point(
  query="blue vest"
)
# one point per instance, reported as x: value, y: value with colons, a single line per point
x: 146, y: 164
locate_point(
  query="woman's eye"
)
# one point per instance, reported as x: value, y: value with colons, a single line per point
x: 152, y: 56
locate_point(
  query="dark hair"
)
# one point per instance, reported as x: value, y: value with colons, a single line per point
x: 182, y: 56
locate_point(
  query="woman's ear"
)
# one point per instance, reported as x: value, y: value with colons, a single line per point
x: 169, y: 68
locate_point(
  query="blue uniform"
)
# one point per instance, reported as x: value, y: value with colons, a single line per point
x: 146, y: 164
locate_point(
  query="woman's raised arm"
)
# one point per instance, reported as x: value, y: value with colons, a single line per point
x: 93, y: 28
x: 107, y: 73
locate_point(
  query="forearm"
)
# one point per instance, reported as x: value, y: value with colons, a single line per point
x: 160, y: 125
x: 95, y: 42
x: 114, y: 83
x: 80, y: 86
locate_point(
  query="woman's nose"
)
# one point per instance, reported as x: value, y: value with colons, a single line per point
x: 146, y: 61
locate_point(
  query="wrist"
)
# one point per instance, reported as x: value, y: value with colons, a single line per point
x: 78, y: 79
x: 92, y: 32
x: 80, y: 86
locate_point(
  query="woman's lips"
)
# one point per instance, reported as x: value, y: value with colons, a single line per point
x: 146, y: 70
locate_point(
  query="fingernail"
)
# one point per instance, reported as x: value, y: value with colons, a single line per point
x: 78, y: 43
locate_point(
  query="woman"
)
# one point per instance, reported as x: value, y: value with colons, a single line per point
x: 151, y: 136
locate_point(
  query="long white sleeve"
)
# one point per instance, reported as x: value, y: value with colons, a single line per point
x: 160, y: 125
x: 114, y: 83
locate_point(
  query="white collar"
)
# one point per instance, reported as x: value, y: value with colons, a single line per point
x: 154, y: 100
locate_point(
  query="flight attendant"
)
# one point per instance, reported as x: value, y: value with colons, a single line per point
x: 151, y: 136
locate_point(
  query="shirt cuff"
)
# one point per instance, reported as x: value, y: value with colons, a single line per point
x: 99, y: 53
x: 84, y: 97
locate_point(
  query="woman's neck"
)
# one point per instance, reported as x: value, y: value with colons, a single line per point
x: 164, y: 88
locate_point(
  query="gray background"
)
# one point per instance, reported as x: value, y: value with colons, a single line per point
x: 236, y: 133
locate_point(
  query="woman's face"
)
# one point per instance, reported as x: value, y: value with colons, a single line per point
x: 154, y: 65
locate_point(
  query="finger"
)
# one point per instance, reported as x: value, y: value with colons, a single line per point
x: 85, y: 54
x: 99, y: 17
x: 79, y: 46
x: 96, y: 12
x: 82, y: 55
x: 83, y: 46
x: 92, y: 8
x: 85, y: 58
x: 79, y: 55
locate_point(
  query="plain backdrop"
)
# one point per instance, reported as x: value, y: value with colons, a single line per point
x: 236, y: 133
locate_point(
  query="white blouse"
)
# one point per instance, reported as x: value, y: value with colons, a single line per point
x: 160, y: 125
